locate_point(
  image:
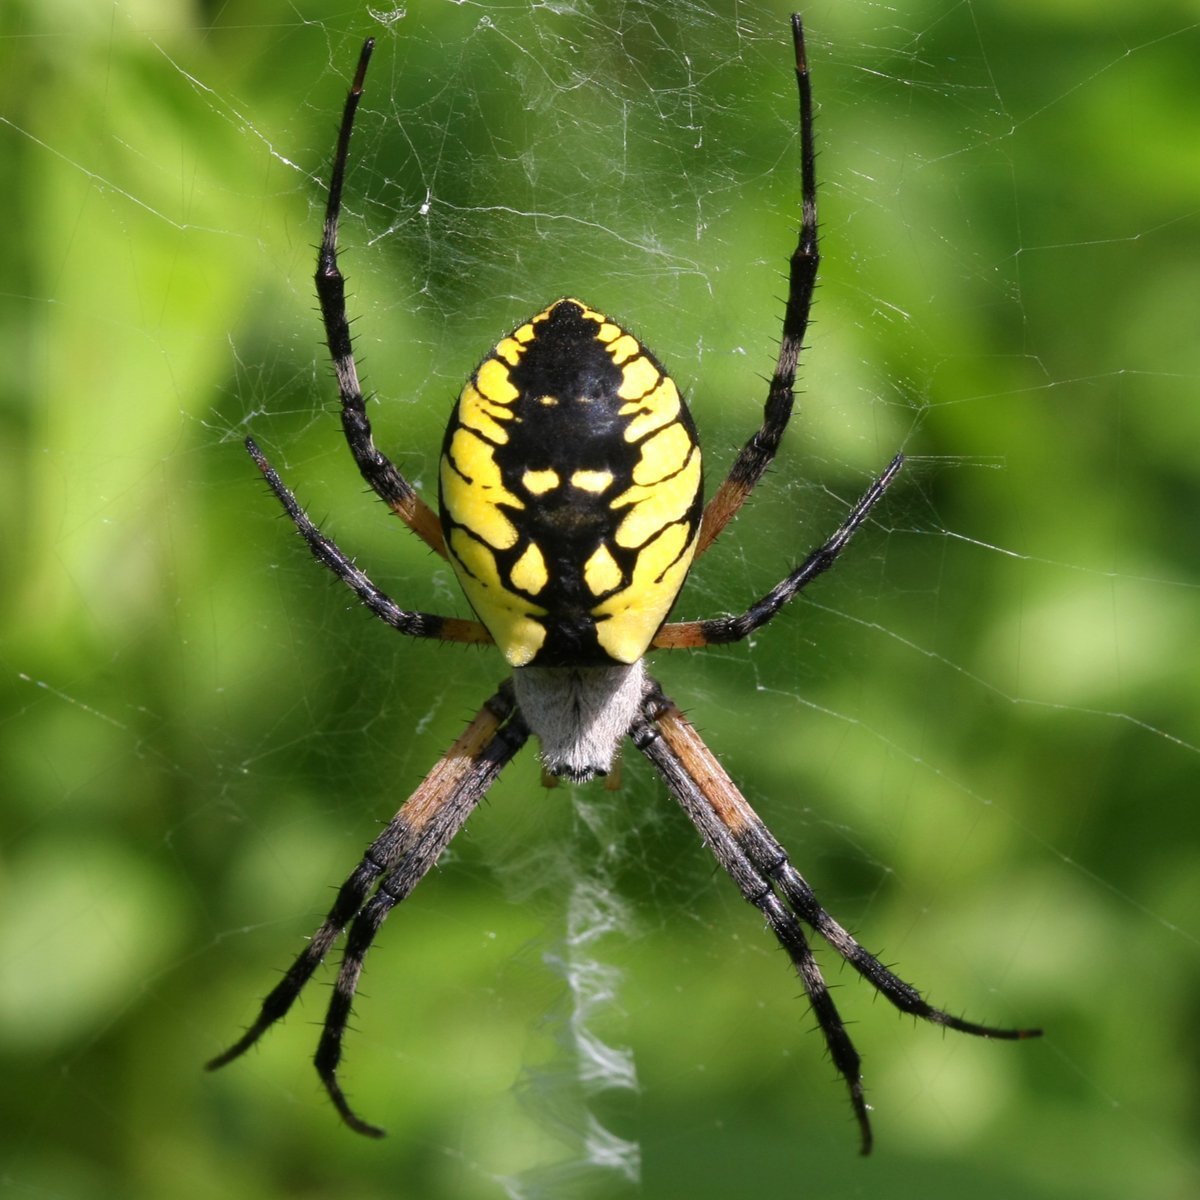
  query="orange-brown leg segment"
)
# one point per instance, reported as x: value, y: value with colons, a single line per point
x: 393, y: 865
x: 744, y: 846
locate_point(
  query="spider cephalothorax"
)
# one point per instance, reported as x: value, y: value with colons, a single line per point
x: 571, y: 510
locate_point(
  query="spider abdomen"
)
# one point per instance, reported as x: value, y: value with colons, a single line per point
x: 570, y: 491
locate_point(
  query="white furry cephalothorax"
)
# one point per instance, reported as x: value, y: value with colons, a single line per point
x: 580, y: 714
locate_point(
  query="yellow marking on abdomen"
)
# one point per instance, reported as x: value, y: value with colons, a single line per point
x: 662, y: 455
x: 635, y: 613
x: 477, y: 413
x: 638, y: 378
x: 601, y: 573
x: 591, y: 481
x: 529, y: 571
x: 510, y: 619
x: 625, y: 347
x: 655, y: 506
x: 539, y: 482
x: 657, y: 408
x: 510, y: 350
x: 493, y: 381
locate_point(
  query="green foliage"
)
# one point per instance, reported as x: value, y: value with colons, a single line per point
x: 977, y: 737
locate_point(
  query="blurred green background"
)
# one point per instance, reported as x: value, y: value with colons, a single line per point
x: 978, y: 737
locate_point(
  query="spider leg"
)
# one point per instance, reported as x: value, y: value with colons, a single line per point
x: 760, y: 867
x: 690, y: 789
x: 721, y: 630
x: 444, y: 806
x: 772, y: 859
x: 379, y: 472
x: 397, y: 860
x: 756, y: 455
x: 326, y: 552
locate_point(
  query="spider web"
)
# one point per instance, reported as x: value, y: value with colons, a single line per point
x: 977, y: 736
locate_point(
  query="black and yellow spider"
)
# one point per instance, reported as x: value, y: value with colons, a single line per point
x: 571, y: 511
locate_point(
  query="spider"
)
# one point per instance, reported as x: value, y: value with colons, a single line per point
x: 571, y: 510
